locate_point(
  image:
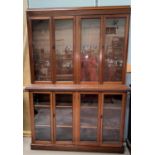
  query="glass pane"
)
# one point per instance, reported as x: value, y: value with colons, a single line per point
x: 64, y: 117
x: 41, y: 99
x: 112, y: 118
x: 42, y: 116
x: 114, y: 48
x: 41, y: 50
x: 43, y: 134
x: 90, y: 39
x: 64, y: 134
x: 88, y: 117
x: 64, y: 49
x: 42, y: 123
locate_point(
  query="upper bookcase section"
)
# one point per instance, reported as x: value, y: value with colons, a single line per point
x: 78, y: 45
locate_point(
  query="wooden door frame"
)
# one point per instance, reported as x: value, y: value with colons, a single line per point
x: 125, y: 47
x: 30, y: 38
x: 73, y: 118
x: 93, y: 143
x: 32, y: 118
x: 122, y: 119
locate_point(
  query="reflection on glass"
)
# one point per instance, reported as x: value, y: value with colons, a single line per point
x: 64, y: 49
x: 42, y: 123
x: 111, y: 118
x: 41, y: 50
x: 88, y: 117
x: 114, y: 46
x: 42, y: 116
x: 64, y: 117
x: 41, y: 99
x: 90, y: 36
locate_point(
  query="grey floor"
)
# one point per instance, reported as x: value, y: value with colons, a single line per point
x: 28, y: 151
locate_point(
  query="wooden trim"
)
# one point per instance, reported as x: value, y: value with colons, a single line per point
x: 78, y: 118
x: 115, y: 82
x: 124, y: 100
x: 26, y: 133
x: 101, y: 55
x: 72, y: 11
x: 32, y: 116
x: 51, y: 47
x: 78, y: 48
x: 128, y: 68
x: 81, y: 8
x: 63, y: 17
x: 29, y: 24
x: 100, y: 117
x: 42, y: 82
x: 52, y: 119
x: 125, y: 48
x: 53, y: 52
x: 74, y: 50
x: 64, y: 82
x: 73, y: 118
x: 93, y: 148
x: 91, y: 17
x: 77, y: 88
x: 63, y: 142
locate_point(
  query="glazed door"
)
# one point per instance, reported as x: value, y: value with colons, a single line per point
x: 63, y: 117
x: 113, y: 113
x: 115, y: 48
x: 64, y: 48
x: 89, y: 48
x: 40, y: 51
x: 41, y: 117
x: 89, y: 109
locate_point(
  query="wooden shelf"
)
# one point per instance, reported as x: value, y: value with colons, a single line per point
x: 110, y: 128
x: 64, y: 126
x: 94, y: 107
x: 60, y: 106
x: 40, y: 125
x: 41, y: 106
x: 112, y: 108
x: 41, y: 103
x: 87, y: 126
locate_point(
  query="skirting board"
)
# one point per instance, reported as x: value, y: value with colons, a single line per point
x: 27, y: 133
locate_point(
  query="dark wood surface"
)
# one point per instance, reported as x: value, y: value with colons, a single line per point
x: 69, y: 147
x: 74, y: 87
x: 72, y: 11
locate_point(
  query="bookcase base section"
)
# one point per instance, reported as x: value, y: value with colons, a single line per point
x: 108, y: 149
